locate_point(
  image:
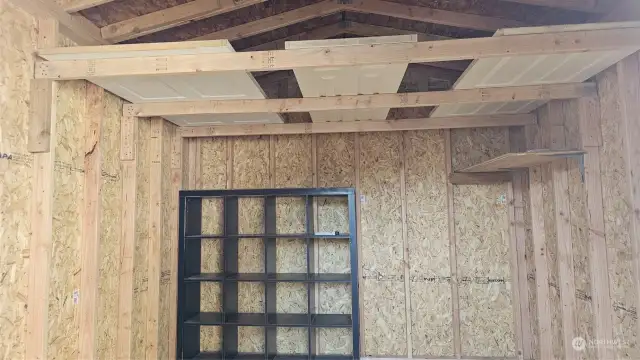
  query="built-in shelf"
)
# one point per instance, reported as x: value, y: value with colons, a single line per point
x: 277, y: 277
x: 515, y: 161
x: 191, y: 319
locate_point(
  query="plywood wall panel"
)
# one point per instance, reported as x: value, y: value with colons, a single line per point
x: 110, y: 228
x: 482, y: 231
x: 67, y: 222
x: 140, y: 275
x: 428, y: 241
x: 384, y: 328
x: 617, y: 217
x: 17, y: 39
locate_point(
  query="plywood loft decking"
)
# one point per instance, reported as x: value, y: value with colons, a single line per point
x: 515, y: 161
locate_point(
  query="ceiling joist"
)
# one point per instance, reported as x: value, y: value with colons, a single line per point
x: 359, y: 126
x: 353, y: 102
x: 171, y: 17
x: 428, y: 51
x: 79, y: 5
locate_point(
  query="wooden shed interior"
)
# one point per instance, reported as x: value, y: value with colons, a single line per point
x: 493, y: 146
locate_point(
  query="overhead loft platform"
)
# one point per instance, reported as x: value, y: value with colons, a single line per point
x: 173, y: 87
x: 533, y: 69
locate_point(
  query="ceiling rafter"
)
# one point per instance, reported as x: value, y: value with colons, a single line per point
x: 277, y: 21
x: 357, y: 28
x: 328, y: 7
x: 591, y: 6
x: 171, y: 17
x: 79, y: 5
x: 319, y: 33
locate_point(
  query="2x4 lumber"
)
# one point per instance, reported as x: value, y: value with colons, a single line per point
x: 591, y: 139
x: 453, y: 250
x: 128, y: 139
x: 405, y: 244
x: 75, y: 27
x: 171, y: 17
x: 155, y: 239
x: 522, y: 160
x: 90, y: 246
x: 79, y: 5
x: 359, y: 195
x: 348, y: 102
x: 434, y: 16
x: 356, y: 28
x: 591, y: 6
x: 629, y: 73
x: 287, y: 18
x: 175, y: 187
x: 358, y: 126
x: 41, y: 220
x: 428, y: 51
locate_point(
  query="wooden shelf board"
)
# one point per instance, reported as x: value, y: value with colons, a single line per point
x: 512, y: 161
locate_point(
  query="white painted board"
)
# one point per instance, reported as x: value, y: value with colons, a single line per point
x: 350, y: 80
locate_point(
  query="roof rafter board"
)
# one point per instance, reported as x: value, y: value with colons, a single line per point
x: 171, y: 17
x: 529, y: 69
x: 513, y: 161
x: 592, y: 6
x: 353, y: 102
x: 627, y: 39
x: 79, y: 5
x: 322, y: 32
x: 277, y: 21
x: 359, y: 126
x: 350, y: 80
x: 435, y: 16
x: 75, y: 27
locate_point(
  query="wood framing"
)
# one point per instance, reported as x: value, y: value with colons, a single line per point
x: 522, y: 160
x: 42, y: 219
x: 428, y: 51
x: 425, y: 14
x: 263, y: 25
x: 453, y: 257
x: 90, y: 246
x: 356, y: 28
x: 358, y: 126
x: 79, y: 5
x: 405, y: 243
x: 171, y: 17
x: 128, y: 166
x: 347, y: 102
x: 75, y: 27
x: 175, y: 187
x: 323, y: 32
x: 592, y: 6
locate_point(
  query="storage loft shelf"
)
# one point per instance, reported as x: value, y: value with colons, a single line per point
x: 262, y: 319
x: 277, y: 277
x: 266, y: 236
x: 514, y: 161
x: 241, y: 356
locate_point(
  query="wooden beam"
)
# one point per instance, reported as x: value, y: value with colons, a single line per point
x: 79, y: 5
x: 428, y: 51
x: 41, y: 221
x: 128, y: 166
x: 277, y: 21
x: 171, y: 17
x: 405, y: 242
x: 75, y: 27
x: 591, y: 6
x: 90, y: 245
x: 175, y: 187
x: 429, y: 15
x: 348, y: 102
x: 323, y: 32
x: 358, y: 126
x: 356, y: 28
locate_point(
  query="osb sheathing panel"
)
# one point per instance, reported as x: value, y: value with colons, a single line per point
x: 381, y: 222
x: 110, y: 228
x: 482, y: 231
x: 334, y: 341
x: 428, y: 241
x: 551, y: 236
x: 617, y: 212
x: 68, y: 213
x: 140, y: 275
x: 384, y: 324
x: 17, y: 39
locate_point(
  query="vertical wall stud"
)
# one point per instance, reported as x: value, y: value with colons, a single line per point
x: 405, y: 244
